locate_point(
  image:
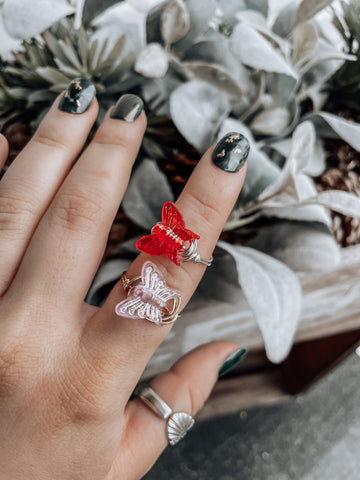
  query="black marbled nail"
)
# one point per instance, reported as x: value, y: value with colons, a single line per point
x: 232, y: 360
x: 231, y: 152
x: 128, y: 108
x: 78, y: 96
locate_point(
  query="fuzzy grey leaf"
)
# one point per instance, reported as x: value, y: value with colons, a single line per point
x: 305, y: 40
x: 215, y: 75
x: 302, y: 246
x: 92, y: 8
x: 285, y: 19
x: 261, y: 172
x: 291, y: 183
x: 308, y: 213
x: 274, y: 294
x: 175, y: 21
x: 197, y: 109
x: 148, y: 190
x: 272, y: 121
x: 152, y: 62
x: 200, y: 16
x: 342, y: 202
x: 308, y: 9
x: 251, y: 48
x: 261, y: 6
x: 107, y: 275
x: 24, y: 19
x: 345, y: 129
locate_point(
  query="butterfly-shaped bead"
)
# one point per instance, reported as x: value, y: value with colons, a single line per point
x: 169, y: 237
x: 148, y: 298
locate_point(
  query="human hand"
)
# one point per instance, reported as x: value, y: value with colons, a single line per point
x: 68, y: 369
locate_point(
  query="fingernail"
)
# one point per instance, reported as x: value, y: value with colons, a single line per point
x: 232, y: 360
x: 231, y: 152
x: 128, y: 108
x: 78, y: 96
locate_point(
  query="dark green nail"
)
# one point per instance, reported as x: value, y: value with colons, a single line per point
x: 128, y: 108
x: 231, y: 152
x: 78, y: 96
x: 232, y: 360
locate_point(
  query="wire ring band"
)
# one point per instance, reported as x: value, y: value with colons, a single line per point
x: 178, y: 423
x: 191, y: 255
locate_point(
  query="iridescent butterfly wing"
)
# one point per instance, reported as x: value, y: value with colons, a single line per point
x: 148, y: 298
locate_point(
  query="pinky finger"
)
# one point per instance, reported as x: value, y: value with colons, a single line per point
x: 184, y: 388
x: 4, y: 150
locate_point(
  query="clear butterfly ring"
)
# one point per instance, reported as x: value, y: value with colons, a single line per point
x: 178, y: 423
x: 149, y: 298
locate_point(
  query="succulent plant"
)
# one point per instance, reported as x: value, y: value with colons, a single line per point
x: 202, y: 73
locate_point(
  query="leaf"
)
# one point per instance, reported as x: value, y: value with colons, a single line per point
x: 107, y: 275
x: 302, y: 246
x: 200, y: 16
x: 196, y: 118
x: 215, y: 75
x: 24, y: 19
x: 261, y: 172
x: 175, y: 21
x: 272, y: 121
x: 274, y: 294
x: 261, y: 6
x: 251, y: 48
x: 52, y: 75
x: 152, y: 62
x: 148, y: 190
x: 92, y: 8
x: 342, y: 202
x: 308, y: 9
x: 305, y: 41
x: 285, y: 19
x: 345, y: 129
x: 300, y: 212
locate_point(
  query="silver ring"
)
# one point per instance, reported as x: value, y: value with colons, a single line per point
x: 178, y: 423
x: 190, y: 255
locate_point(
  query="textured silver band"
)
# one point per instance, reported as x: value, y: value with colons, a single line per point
x: 190, y: 254
x: 178, y: 423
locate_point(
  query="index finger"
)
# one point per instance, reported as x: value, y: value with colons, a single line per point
x: 205, y: 204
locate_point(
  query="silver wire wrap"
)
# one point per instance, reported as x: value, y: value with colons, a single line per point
x: 190, y: 254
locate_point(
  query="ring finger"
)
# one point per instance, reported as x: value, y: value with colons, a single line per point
x: 205, y: 204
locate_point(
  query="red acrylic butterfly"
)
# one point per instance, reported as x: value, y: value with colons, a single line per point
x: 170, y: 237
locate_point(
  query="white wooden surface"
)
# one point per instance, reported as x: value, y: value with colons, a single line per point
x: 331, y: 304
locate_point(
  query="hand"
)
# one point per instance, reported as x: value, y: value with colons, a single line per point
x: 67, y: 369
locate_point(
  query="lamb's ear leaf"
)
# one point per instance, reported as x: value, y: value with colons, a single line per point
x: 23, y: 19
x: 274, y: 294
x: 93, y: 8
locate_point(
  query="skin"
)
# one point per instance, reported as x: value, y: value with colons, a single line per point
x: 67, y: 369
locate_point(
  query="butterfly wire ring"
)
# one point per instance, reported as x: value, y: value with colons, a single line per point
x: 169, y: 315
x: 190, y: 254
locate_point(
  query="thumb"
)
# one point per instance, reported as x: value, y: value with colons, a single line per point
x: 185, y: 388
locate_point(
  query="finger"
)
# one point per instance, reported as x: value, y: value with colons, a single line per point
x: 74, y: 230
x: 4, y: 150
x: 205, y: 203
x: 184, y: 388
x: 33, y: 178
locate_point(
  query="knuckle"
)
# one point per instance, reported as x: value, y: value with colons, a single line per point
x: 13, y: 365
x: 193, y: 394
x: 208, y: 209
x: 15, y: 213
x: 44, y: 139
x: 76, y: 211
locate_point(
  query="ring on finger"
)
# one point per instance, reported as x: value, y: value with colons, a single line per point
x: 178, y: 423
x: 171, y: 238
x: 149, y: 297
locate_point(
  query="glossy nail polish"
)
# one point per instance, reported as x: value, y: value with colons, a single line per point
x: 231, y: 152
x: 232, y: 360
x: 128, y: 108
x: 78, y: 96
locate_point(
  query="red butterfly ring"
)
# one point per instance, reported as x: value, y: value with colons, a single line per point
x: 171, y: 238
